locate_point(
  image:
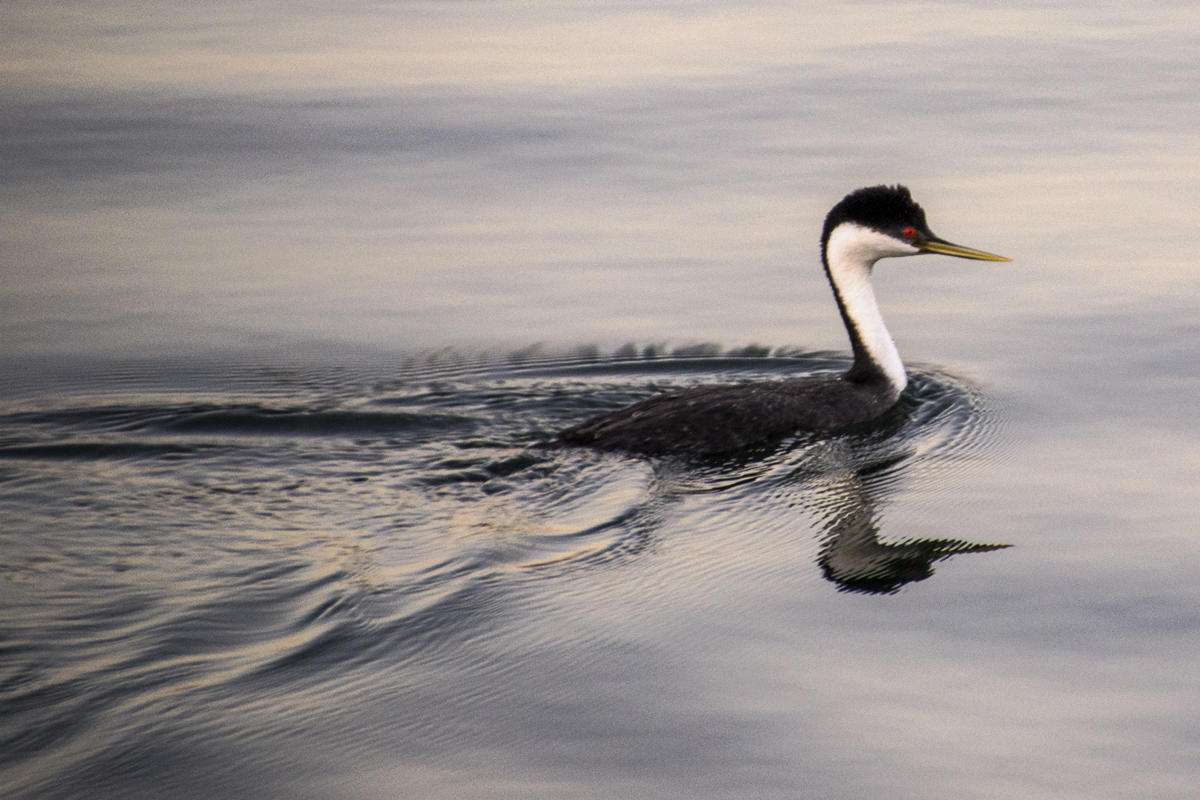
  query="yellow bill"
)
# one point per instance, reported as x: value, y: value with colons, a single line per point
x: 948, y: 249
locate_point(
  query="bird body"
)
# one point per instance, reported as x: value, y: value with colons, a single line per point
x: 723, y: 418
x: 867, y: 225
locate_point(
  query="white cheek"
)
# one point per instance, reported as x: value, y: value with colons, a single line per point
x: 854, y: 243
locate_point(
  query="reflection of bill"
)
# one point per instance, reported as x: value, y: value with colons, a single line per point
x: 854, y: 558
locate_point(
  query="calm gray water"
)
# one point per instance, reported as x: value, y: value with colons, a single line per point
x: 288, y: 290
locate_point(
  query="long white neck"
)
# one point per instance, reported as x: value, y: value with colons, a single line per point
x: 850, y: 254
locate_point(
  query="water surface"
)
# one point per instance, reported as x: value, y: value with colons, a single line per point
x: 289, y: 291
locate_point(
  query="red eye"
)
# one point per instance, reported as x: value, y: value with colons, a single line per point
x: 910, y: 233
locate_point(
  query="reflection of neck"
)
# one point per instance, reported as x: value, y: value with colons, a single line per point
x: 854, y: 558
x: 850, y: 254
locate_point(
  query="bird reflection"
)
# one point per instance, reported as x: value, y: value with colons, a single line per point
x: 853, y: 556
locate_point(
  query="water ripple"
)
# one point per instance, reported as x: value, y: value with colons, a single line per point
x: 196, y: 549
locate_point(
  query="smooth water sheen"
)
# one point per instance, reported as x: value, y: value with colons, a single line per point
x: 289, y: 293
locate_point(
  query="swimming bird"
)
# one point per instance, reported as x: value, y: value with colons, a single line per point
x: 868, y: 224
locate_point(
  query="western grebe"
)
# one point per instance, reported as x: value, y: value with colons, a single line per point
x: 868, y: 224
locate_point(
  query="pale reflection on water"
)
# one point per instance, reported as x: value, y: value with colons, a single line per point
x: 337, y: 577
